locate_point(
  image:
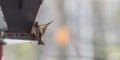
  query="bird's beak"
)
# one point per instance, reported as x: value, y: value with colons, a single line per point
x: 49, y: 23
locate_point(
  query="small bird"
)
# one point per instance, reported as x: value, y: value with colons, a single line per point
x: 39, y: 30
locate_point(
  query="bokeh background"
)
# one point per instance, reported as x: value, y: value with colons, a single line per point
x: 82, y: 30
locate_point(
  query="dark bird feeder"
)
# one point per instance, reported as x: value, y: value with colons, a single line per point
x: 20, y: 16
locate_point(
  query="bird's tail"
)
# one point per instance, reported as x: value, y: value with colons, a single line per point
x: 40, y: 42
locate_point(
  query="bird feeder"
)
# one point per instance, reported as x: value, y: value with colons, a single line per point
x: 20, y: 16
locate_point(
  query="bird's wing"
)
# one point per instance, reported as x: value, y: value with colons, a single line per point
x: 20, y: 20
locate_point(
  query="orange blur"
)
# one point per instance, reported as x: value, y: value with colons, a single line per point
x: 61, y: 36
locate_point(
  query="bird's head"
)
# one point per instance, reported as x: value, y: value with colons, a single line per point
x: 36, y: 23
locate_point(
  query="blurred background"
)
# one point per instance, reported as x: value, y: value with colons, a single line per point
x: 82, y: 30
